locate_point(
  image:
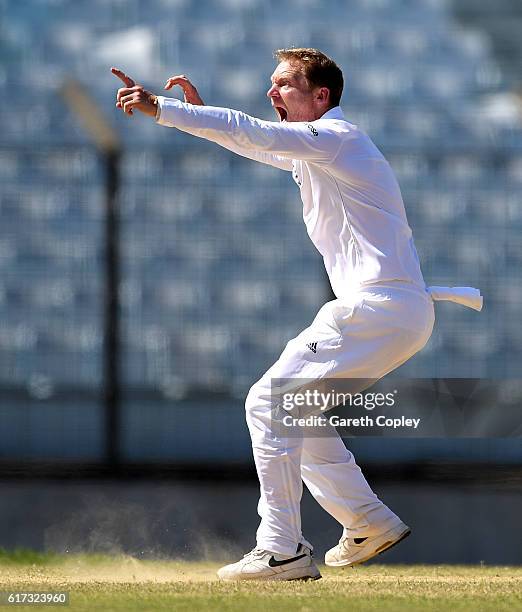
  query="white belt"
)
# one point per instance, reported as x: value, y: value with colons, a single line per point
x: 467, y: 296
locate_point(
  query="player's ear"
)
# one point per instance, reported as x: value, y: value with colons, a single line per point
x: 322, y: 94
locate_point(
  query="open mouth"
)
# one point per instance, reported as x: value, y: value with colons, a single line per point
x: 281, y: 112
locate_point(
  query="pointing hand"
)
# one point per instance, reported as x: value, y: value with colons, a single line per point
x: 133, y: 96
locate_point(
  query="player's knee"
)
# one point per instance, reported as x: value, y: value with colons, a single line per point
x: 257, y: 407
x: 251, y: 402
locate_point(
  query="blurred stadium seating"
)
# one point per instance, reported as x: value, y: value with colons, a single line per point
x: 218, y: 272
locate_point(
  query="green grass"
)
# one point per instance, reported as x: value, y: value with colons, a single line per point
x: 97, y: 582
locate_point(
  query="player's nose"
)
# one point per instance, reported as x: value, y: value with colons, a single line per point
x: 272, y: 91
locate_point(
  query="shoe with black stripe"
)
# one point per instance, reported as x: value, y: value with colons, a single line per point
x: 352, y: 551
x: 261, y: 564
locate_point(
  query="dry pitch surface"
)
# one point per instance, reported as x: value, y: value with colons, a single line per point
x: 125, y: 583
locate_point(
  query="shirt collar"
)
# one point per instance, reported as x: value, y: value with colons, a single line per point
x: 333, y: 113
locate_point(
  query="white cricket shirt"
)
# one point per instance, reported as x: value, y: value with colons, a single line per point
x: 352, y: 204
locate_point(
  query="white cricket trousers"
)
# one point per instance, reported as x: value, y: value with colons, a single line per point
x: 364, y: 336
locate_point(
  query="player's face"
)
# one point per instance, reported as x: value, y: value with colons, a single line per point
x: 291, y: 95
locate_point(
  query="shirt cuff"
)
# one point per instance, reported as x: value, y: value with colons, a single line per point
x: 159, y: 107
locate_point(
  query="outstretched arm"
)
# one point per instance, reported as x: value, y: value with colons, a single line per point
x: 134, y: 96
x: 289, y: 140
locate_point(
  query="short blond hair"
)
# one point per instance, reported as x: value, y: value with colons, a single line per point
x: 318, y: 68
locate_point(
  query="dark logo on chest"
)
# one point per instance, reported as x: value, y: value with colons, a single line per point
x: 312, y: 346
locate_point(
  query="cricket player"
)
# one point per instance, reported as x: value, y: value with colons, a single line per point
x: 383, y: 314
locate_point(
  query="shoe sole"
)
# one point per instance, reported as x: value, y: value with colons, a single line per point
x: 293, y: 574
x: 304, y: 579
x: 289, y: 575
x: 378, y: 551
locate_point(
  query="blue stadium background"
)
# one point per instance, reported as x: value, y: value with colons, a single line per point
x: 217, y: 270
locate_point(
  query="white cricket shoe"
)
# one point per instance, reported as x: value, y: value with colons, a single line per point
x: 260, y: 564
x: 351, y: 551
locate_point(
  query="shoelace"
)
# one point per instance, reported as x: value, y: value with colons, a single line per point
x: 255, y: 552
x: 259, y: 552
x: 345, y: 542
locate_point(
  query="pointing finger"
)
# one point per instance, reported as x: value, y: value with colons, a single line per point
x: 122, y: 76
